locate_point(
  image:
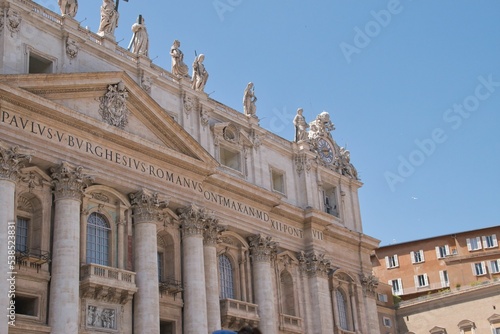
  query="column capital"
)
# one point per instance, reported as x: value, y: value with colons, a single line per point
x: 369, y: 283
x: 314, y: 263
x: 69, y: 181
x: 193, y: 219
x: 12, y: 159
x: 146, y: 205
x: 262, y: 248
x: 212, y: 231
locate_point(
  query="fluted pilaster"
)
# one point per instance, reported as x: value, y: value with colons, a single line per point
x: 262, y: 251
x: 211, y: 235
x: 147, y: 208
x: 317, y: 269
x: 193, y: 224
x: 69, y: 183
x: 12, y: 159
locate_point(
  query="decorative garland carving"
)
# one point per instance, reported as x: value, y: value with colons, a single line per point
x: 13, y: 21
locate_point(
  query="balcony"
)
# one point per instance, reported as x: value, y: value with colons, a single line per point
x: 236, y: 313
x: 32, y: 258
x: 170, y: 286
x: 290, y: 323
x: 105, y: 283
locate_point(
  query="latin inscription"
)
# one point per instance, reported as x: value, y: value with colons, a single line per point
x: 96, y: 150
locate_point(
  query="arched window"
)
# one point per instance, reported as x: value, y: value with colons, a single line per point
x: 226, y: 277
x: 342, y: 309
x: 287, y: 293
x: 97, y: 239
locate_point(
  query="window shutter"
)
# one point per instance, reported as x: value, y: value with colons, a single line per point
x: 412, y: 255
x: 438, y: 254
x: 483, y: 267
x: 426, y: 279
x: 447, y: 249
x: 415, y: 279
x: 479, y: 245
x: 468, y: 244
x: 441, y: 278
x: 387, y: 265
x: 400, y: 283
x: 422, y: 258
x: 473, y: 267
x: 396, y: 261
x: 495, y: 242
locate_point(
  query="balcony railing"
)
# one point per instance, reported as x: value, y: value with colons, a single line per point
x: 235, y: 313
x: 170, y: 285
x: 116, y: 285
x: 32, y: 258
x: 290, y: 323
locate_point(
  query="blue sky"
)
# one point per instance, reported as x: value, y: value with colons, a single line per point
x: 413, y: 88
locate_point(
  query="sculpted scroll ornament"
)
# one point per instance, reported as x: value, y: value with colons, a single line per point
x: 147, y: 206
x: 313, y: 263
x: 370, y: 284
x: 70, y: 181
x: 262, y: 248
x: 194, y: 219
x: 13, y: 21
x: 113, y: 105
x: 212, y: 231
x: 11, y: 161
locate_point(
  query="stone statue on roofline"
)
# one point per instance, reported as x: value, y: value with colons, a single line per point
x: 249, y: 100
x: 179, y: 68
x: 68, y: 7
x: 200, y: 74
x: 139, y: 44
x: 109, y: 18
x: 301, y: 126
x: 346, y: 167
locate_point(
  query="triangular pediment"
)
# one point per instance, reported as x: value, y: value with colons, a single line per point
x: 79, y: 99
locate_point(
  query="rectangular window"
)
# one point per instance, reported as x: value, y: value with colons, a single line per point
x: 479, y: 268
x: 490, y: 241
x: 417, y: 257
x: 330, y: 200
x: 496, y: 330
x: 231, y: 159
x: 38, y: 64
x: 445, y: 281
x: 26, y: 305
x: 474, y: 244
x: 495, y: 266
x: 421, y: 280
x: 22, y: 234
x: 397, y: 286
x: 382, y: 297
x: 392, y: 261
x: 387, y: 322
x: 442, y: 251
x: 278, y: 181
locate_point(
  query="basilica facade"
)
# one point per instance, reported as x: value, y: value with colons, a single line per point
x: 132, y: 202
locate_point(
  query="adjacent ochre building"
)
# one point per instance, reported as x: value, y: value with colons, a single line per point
x: 131, y: 202
x: 447, y: 284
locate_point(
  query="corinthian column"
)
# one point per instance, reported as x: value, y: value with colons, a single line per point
x: 317, y: 269
x: 147, y: 208
x: 211, y: 234
x: 262, y: 251
x: 193, y: 221
x: 68, y: 182
x: 11, y: 161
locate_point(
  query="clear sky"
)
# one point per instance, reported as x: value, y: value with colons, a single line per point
x: 413, y: 88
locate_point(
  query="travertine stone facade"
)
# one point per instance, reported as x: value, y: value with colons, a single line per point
x: 148, y: 207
